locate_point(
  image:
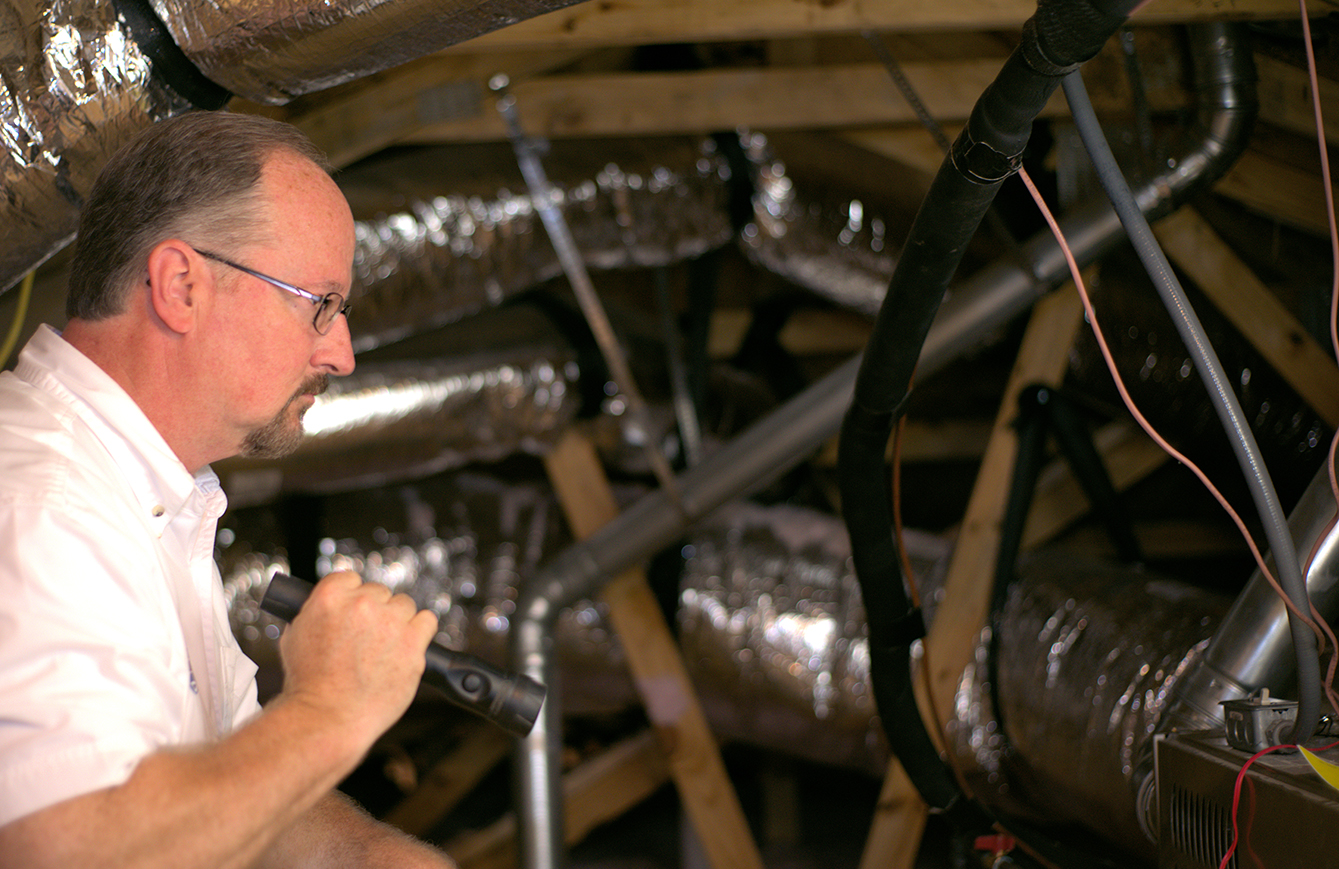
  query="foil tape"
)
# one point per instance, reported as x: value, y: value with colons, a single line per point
x: 1088, y: 657
x: 271, y: 51
x: 407, y: 419
x: 449, y: 255
x: 74, y: 87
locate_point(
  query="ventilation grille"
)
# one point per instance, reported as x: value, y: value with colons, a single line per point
x: 1200, y: 829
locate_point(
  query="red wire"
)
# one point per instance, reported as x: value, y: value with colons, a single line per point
x: 1236, y: 795
x: 1236, y: 800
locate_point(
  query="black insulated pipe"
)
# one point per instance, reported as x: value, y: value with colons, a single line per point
x: 1059, y: 37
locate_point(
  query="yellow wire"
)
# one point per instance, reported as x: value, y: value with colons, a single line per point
x: 25, y: 293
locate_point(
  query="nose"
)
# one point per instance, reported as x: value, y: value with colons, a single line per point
x: 334, y: 350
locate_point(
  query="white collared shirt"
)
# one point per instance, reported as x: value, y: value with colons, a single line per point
x: 110, y: 601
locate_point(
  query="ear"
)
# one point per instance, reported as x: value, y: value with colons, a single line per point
x: 179, y: 279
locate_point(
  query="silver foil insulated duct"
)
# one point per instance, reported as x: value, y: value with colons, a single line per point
x: 406, y: 419
x: 1088, y: 658
x: 832, y: 245
x: 472, y: 243
x: 769, y: 613
x: 74, y: 87
x: 271, y: 51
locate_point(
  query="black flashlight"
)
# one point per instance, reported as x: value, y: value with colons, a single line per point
x: 509, y: 700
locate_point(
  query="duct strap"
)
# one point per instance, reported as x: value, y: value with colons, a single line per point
x: 168, y: 61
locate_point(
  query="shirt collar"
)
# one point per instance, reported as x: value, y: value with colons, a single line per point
x: 162, y: 484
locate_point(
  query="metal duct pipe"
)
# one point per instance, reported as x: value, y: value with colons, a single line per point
x: 79, y: 79
x: 1253, y: 647
x: 779, y: 441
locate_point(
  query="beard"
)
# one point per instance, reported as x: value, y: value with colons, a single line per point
x: 282, y: 435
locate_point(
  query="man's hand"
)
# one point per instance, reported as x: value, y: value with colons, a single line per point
x: 355, y: 653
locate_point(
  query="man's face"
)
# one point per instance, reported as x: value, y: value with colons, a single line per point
x: 283, y: 434
x: 272, y: 360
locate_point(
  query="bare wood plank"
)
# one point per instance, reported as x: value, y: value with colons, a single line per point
x: 1165, y: 539
x: 953, y: 440
x: 899, y: 822
x: 910, y: 145
x: 595, y: 792
x: 446, y: 99
x: 613, y: 104
x: 1285, y: 98
x: 1129, y: 456
x: 657, y: 668
x: 1306, y: 365
x: 447, y: 783
x: 640, y: 22
x: 805, y: 333
x: 1288, y: 193
x: 364, y: 117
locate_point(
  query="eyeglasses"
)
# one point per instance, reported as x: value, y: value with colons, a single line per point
x: 328, y: 307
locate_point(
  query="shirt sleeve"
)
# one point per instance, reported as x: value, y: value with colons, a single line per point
x: 93, y: 673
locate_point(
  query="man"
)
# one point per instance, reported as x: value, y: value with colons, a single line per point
x: 205, y: 313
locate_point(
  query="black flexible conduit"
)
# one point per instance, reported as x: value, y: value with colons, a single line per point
x: 1224, y: 402
x: 1059, y: 37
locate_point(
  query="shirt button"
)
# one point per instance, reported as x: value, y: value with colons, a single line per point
x: 158, y: 510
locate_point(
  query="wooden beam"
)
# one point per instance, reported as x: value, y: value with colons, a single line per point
x: 645, y: 22
x: 1284, y: 91
x: 425, y: 104
x: 708, y: 797
x: 1241, y: 297
x: 805, y: 333
x: 705, y: 101
x: 909, y: 145
x: 950, y: 440
x: 1165, y: 539
x: 899, y: 821
x: 450, y: 780
x: 595, y: 792
x: 359, y: 119
x: 1291, y: 194
x: 1129, y: 456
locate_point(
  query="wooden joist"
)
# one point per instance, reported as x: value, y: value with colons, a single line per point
x: 597, y: 790
x: 693, y: 756
x: 450, y: 780
x: 1255, y: 311
x: 644, y: 22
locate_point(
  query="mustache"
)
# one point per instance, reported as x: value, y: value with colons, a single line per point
x: 314, y: 385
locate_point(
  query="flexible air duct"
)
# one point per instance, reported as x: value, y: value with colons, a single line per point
x: 74, y: 86
x: 77, y: 80
x: 769, y: 614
